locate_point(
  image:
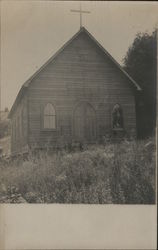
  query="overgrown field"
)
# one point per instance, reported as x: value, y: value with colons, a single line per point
x: 120, y: 173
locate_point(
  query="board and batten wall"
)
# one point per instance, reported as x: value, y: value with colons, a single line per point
x: 81, y: 72
x: 19, y: 127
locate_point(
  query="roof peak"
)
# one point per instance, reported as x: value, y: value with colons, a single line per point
x: 82, y: 29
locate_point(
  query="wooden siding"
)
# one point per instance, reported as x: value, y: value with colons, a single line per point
x: 19, y: 132
x: 81, y: 73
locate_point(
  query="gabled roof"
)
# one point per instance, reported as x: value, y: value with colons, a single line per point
x: 82, y: 29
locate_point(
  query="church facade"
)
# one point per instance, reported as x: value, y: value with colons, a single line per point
x: 80, y: 95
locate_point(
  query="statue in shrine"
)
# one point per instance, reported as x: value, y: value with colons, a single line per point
x: 117, y: 117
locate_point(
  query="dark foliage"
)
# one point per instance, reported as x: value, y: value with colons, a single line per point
x: 140, y: 63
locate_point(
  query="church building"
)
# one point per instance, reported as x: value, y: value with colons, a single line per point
x: 81, y: 94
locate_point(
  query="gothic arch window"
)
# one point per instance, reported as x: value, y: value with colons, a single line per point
x: 49, y: 116
x: 117, y: 117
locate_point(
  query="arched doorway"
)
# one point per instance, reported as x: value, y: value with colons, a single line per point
x: 84, y: 123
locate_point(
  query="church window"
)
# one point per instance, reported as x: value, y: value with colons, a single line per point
x: 117, y: 117
x: 49, y: 117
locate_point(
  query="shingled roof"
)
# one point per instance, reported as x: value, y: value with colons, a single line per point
x: 82, y: 29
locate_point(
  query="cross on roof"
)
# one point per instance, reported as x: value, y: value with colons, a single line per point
x: 81, y: 12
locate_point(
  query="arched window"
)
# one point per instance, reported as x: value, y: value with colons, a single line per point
x: 117, y: 117
x: 49, y: 117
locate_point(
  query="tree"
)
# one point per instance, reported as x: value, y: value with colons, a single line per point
x: 140, y: 63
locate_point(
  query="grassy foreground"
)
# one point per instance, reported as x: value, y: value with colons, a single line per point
x: 121, y: 173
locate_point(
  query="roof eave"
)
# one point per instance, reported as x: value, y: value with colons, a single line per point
x: 26, y: 84
x: 17, y: 100
x: 115, y: 62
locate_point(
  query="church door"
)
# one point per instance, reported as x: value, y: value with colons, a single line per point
x: 84, y: 123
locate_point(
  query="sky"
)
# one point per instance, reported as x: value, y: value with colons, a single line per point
x: 32, y: 31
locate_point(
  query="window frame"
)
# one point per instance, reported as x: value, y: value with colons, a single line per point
x: 43, y: 116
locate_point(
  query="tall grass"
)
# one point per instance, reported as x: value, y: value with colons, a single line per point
x: 122, y: 173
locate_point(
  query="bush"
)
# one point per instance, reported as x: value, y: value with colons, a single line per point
x: 121, y: 173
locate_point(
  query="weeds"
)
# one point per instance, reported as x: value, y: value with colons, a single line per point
x: 122, y: 173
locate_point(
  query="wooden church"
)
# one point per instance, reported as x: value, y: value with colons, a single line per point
x: 81, y: 94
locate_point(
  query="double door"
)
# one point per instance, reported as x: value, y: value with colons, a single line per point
x: 84, y: 123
